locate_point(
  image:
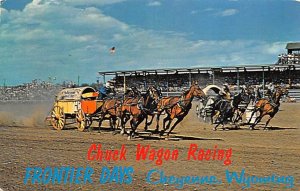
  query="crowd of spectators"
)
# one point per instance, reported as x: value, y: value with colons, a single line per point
x: 33, y: 91
x: 293, y: 58
x: 46, y: 90
x: 177, y: 82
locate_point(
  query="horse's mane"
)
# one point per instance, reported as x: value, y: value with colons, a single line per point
x: 185, y: 92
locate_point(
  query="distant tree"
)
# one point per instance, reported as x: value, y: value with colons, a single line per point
x: 84, y: 84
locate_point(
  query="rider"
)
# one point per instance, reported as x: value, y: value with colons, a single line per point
x: 224, y: 93
x: 103, y: 91
x: 270, y: 90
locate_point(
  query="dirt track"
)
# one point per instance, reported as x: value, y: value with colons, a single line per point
x: 26, y: 142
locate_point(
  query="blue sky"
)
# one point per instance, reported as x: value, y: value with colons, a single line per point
x: 67, y: 38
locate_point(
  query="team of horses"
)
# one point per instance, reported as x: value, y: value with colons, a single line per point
x: 138, y: 107
x: 224, y: 110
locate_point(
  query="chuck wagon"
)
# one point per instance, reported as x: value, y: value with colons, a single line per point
x: 204, y: 107
x: 77, y: 104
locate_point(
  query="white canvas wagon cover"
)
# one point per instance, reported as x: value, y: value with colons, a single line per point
x: 77, y: 93
x: 214, y: 88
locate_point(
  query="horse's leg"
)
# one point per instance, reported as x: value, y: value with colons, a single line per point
x: 235, y: 117
x: 174, y: 125
x: 257, y: 120
x: 241, y: 115
x: 146, y: 123
x: 215, y: 128
x: 212, y: 114
x: 267, y: 123
x: 134, y: 124
x: 101, y: 118
x: 114, y: 119
x: 220, y: 121
x: 157, y: 122
x: 254, y: 111
x: 110, y: 123
x: 123, y: 122
x: 164, y: 124
x: 169, y: 123
x: 216, y: 115
x: 140, y: 119
x: 223, y: 119
x: 165, y: 120
x: 150, y: 122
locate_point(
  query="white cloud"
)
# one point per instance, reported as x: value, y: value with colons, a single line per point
x: 154, y: 3
x: 297, y: 0
x: 193, y: 12
x: 65, y: 41
x: 76, y: 2
x: 228, y: 12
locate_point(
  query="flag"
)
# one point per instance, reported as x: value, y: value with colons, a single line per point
x: 112, y: 50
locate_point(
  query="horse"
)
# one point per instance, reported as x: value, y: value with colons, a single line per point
x: 177, y: 107
x: 240, y: 103
x: 111, y: 108
x: 152, y: 105
x: 267, y: 107
x: 224, y: 110
x: 132, y: 92
x: 138, y: 107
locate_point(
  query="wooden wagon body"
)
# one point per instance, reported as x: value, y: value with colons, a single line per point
x: 75, y: 103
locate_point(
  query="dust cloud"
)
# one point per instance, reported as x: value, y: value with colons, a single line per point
x: 24, y: 114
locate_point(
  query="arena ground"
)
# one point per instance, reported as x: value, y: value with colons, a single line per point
x: 27, y: 142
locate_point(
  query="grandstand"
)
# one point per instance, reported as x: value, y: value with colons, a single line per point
x: 292, y: 56
x: 176, y: 79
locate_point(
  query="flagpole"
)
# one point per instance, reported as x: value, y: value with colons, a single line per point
x: 124, y: 83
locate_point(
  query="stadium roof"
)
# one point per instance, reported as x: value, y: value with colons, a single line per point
x: 293, y: 46
x: 249, y: 68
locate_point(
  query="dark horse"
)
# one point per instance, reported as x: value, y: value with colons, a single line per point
x: 138, y: 107
x: 152, y: 106
x: 225, y: 110
x: 240, y: 104
x: 177, y: 107
x: 267, y: 107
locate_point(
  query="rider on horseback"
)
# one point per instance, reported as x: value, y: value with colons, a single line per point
x: 270, y: 91
x: 224, y: 93
x: 102, y: 92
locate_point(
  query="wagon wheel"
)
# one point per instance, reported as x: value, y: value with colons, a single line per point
x: 81, y: 120
x: 58, y: 118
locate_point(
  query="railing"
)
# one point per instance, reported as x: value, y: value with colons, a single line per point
x: 294, y: 93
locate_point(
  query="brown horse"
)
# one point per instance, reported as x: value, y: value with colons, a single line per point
x: 177, y: 107
x: 111, y: 108
x: 138, y: 107
x: 267, y: 107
